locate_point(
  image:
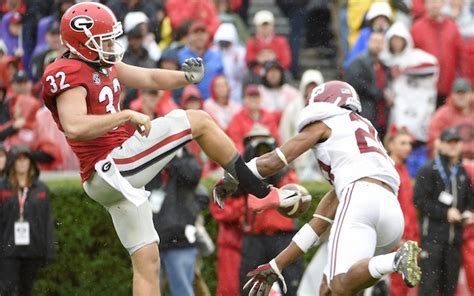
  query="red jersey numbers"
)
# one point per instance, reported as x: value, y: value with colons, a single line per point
x: 107, y: 95
x: 57, y: 82
x: 366, y: 136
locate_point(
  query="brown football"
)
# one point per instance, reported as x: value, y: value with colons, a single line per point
x: 300, y: 207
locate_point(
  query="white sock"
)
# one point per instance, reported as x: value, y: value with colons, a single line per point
x: 381, y: 265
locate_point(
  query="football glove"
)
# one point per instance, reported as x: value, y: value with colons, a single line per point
x: 193, y: 70
x: 276, y: 198
x: 224, y: 188
x: 263, y: 278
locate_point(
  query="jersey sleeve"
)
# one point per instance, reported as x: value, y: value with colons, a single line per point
x: 318, y: 112
x: 60, y: 77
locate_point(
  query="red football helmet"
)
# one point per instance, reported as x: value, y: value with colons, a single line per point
x: 89, y: 30
x: 336, y: 92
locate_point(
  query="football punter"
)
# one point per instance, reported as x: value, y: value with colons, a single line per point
x: 82, y: 91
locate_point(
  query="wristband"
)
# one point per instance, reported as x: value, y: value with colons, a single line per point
x: 305, y: 238
x: 252, y: 165
x: 281, y: 156
x: 323, y: 218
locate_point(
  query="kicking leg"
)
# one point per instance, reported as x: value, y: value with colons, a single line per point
x: 146, y: 271
x: 212, y: 139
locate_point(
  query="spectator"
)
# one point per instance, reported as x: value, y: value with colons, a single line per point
x: 468, y: 244
x: 229, y: 244
x: 379, y: 18
x: 10, y: 122
x: 276, y: 93
x: 200, y: 10
x: 227, y: 16
x: 439, y: 36
x: 220, y: 106
x: 296, y: 13
x: 9, y: 65
x: 398, y: 144
x: 53, y: 49
x: 457, y: 112
x: 175, y: 206
x: 122, y: 7
x: 136, y: 55
x: 198, y: 46
x: 170, y: 60
x: 233, y: 58
x: 252, y: 113
x: 137, y: 20
x: 460, y: 11
x: 305, y: 165
x: 46, y: 127
x: 267, y: 233
x: 265, y: 45
x: 154, y: 103
x: 10, y: 33
x: 444, y: 198
x: 22, y: 105
x: 367, y: 74
x: 413, y: 77
x: 414, y: 74
x: 26, y: 207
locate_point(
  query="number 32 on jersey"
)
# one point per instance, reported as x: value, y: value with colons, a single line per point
x: 58, y: 82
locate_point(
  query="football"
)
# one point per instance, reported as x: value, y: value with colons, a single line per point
x: 300, y: 207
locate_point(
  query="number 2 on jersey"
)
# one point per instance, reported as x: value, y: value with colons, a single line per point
x: 362, y: 135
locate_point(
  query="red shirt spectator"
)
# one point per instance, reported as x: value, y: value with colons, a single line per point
x: 457, y: 112
x: 398, y: 144
x: 265, y: 45
x: 252, y: 113
x: 440, y: 36
x: 202, y: 10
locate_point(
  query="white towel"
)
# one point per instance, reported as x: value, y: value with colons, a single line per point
x: 107, y: 170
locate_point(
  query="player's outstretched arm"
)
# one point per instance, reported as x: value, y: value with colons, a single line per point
x: 263, y: 277
x: 78, y: 125
x: 270, y: 163
x: 141, y: 78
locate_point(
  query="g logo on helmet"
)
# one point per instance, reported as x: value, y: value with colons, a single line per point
x: 81, y: 22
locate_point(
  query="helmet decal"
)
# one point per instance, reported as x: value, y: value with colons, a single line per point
x: 82, y: 22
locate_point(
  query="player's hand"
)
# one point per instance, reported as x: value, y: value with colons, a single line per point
x: 223, y: 189
x: 193, y: 70
x: 275, y: 199
x: 263, y: 278
x: 141, y: 122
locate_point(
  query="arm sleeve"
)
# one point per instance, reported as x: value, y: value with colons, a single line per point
x: 424, y: 196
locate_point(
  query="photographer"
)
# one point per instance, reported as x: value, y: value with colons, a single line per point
x: 444, y: 198
x: 267, y: 233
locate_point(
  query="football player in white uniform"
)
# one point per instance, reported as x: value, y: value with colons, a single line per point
x: 363, y: 205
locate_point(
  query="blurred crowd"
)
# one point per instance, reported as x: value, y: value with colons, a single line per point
x: 411, y: 62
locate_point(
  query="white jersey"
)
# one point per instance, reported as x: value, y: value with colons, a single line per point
x: 353, y: 150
